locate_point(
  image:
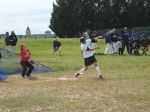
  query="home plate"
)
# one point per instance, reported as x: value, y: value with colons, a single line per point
x: 63, y: 78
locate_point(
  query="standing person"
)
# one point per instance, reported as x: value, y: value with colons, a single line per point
x: 119, y: 46
x: 114, y: 39
x: 7, y: 42
x: 133, y: 34
x: 25, y: 61
x: 57, y: 46
x: 109, y: 48
x: 13, y: 41
x: 89, y: 58
x: 125, y: 38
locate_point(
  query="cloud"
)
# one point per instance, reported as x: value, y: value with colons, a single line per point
x: 18, y: 14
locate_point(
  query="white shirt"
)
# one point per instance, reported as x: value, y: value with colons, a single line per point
x: 119, y: 44
x: 88, y: 42
x: 86, y: 53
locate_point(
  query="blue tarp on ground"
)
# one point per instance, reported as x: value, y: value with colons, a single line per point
x: 4, y: 73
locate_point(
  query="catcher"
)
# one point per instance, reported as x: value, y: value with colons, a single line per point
x: 25, y: 62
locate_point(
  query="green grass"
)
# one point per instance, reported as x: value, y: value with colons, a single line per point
x: 125, y: 88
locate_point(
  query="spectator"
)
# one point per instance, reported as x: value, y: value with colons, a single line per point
x: 119, y: 46
x: 13, y: 41
x: 125, y: 39
x: 130, y: 45
x: 135, y: 50
x: 8, y: 42
x: 114, y: 39
x: 108, y: 49
x: 133, y: 34
x: 144, y: 45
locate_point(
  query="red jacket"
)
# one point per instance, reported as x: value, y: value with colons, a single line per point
x: 25, y: 55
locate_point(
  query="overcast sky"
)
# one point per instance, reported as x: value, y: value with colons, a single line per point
x: 16, y: 15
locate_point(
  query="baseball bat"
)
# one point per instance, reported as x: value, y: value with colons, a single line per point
x: 109, y: 32
x: 106, y: 34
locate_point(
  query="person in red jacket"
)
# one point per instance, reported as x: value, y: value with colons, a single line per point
x: 27, y: 66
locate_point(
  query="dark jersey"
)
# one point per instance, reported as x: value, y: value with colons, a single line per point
x: 125, y: 36
x: 108, y: 39
x: 13, y: 40
x: 93, y: 40
x: 7, y: 41
x: 114, y: 37
x: 144, y: 42
x: 56, y: 43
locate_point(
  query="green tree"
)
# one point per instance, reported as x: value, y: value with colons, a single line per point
x: 70, y: 17
x: 63, y: 20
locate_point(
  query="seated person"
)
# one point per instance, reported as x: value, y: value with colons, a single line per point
x: 144, y: 45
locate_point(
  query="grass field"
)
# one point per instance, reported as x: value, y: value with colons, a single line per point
x: 125, y: 88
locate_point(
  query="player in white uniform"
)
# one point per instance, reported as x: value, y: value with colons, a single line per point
x: 89, y: 58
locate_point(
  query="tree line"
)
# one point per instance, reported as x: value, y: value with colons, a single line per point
x: 70, y: 17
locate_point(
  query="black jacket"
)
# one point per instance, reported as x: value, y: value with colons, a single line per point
x: 7, y: 41
x: 13, y: 40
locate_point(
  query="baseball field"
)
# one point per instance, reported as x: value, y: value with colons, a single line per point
x: 126, y: 87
